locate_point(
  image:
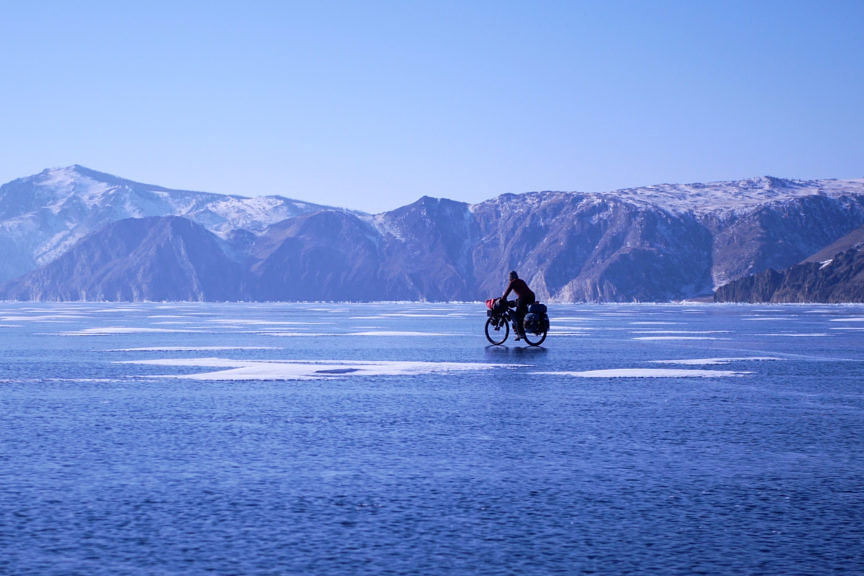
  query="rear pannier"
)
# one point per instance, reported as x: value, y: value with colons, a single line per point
x: 537, y: 308
x: 536, y: 321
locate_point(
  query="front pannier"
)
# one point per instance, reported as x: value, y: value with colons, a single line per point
x: 495, y: 306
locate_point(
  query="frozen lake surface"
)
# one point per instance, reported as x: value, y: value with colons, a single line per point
x: 390, y: 439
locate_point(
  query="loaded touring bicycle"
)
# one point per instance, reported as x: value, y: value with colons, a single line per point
x: 499, y: 317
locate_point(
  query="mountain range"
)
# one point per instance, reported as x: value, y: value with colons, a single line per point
x: 78, y: 234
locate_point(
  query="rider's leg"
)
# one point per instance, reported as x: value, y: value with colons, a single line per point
x: 521, y: 311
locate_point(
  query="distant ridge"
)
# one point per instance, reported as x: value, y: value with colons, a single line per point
x: 736, y: 196
x: 839, y: 279
x: 76, y: 233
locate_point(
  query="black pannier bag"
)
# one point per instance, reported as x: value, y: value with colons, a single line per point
x: 536, y: 321
x: 495, y: 306
x: 537, y: 308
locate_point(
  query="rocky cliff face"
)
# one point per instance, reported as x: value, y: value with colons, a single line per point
x: 657, y: 243
x: 780, y: 234
x: 579, y: 247
x: 840, y: 279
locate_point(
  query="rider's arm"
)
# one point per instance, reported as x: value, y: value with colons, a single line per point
x: 506, y: 292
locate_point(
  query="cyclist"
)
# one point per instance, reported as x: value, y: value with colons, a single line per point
x: 524, y: 298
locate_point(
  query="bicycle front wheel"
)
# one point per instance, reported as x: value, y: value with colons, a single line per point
x: 497, y: 331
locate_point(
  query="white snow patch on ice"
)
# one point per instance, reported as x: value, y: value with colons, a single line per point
x: 289, y: 334
x: 713, y: 361
x: 795, y: 334
x: 649, y: 373
x: 42, y: 318
x: 307, y: 369
x: 411, y: 315
x: 113, y: 330
x: 192, y: 348
x: 245, y: 322
x: 681, y: 332
x: 658, y: 338
x: 396, y: 333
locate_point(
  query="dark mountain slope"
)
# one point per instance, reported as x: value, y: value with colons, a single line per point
x: 328, y: 255
x: 428, y: 245
x: 159, y: 258
x: 851, y: 240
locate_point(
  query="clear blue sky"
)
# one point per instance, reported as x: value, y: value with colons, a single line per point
x: 370, y: 105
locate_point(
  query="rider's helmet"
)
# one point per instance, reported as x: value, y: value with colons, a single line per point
x: 513, y: 275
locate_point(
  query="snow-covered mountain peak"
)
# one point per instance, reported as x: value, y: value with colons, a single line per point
x: 73, y: 190
x: 44, y: 214
x: 57, y: 178
x: 75, y: 179
x: 717, y: 199
x: 734, y: 196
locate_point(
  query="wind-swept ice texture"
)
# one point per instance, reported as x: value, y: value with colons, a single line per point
x: 657, y: 243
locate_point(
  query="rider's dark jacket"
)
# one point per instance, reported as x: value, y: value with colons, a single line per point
x: 523, y: 293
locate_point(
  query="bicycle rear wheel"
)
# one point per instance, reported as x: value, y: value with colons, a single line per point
x: 535, y: 339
